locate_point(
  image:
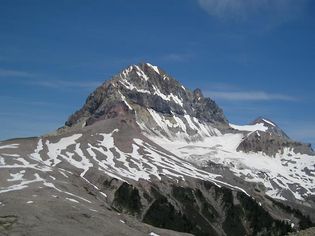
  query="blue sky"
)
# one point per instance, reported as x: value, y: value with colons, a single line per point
x: 254, y: 57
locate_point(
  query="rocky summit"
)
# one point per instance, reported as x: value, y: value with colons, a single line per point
x: 147, y: 156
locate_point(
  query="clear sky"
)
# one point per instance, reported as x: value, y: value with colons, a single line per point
x: 254, y: 57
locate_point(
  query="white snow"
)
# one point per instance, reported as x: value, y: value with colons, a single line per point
x: 124, y: 100
x: 22, y: 185
x: 155, y: 68
x: 148, y: 162
x: 17, y: 176
x: 169, y: 97
x: 269, y: 122
x: 134, y: 165
x: 14, y: 145
x: 159, y: 120
x: 64, y: 174
x: 153, y: 234
x: 53, y: 178
x: 2, y: 162
x: 285, y: 169
x: 125, y: 72
x: 72, y: 200
x: 104, y: 194
x: 250, y: 128
x: 176, y: 99
x: 29, y: 202
x: 39, y: 148
x: 180, y: 123
x: 55, y: 149
x: 130, y: 86
x: 51, y: 185
x: 191, y: 123
x: 141, y: 73
x: 166, y: 125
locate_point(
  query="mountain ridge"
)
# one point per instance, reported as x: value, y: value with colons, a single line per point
x: 138, y: 83
x: 166, y: 93
x: 150, y: 156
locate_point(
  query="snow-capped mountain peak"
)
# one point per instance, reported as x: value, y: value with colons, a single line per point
x: 159, y: 105
x: 143, y: 144
x: 265, y: 121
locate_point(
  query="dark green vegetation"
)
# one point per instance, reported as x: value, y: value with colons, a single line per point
x: 164, y: 215
x: 232, y: 224
x: 127, y: 199
x: 203, y: 210
x: 6, y: 222
x: 305, y: 221
x: 260, y: 220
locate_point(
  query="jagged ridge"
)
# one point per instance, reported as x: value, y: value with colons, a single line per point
x: 149, y: 87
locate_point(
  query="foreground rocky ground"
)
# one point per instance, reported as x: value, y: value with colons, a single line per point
x: 307, y: 232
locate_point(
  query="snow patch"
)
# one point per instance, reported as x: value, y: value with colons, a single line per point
x: 124, y: 100
x: 14, y: 145
x: 155, y: 68
x: 285, y: 170
x: 130, y: 86
x: 250, y: 128
x: 72, y: 200
x: 55, y: 149
x: 17, y: 176
x: 22, y: 185
x: 141, y: 73
x: 269, y: 122
x: 169, y: 97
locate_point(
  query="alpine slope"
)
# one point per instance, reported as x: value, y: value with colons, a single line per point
x: 147, y: 156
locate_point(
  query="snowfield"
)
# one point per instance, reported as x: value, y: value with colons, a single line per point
x: 286, y: 170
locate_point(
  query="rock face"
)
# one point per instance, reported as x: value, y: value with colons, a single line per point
x: 271, y: 141
x: 141, y: 87
x: 147, y: 156
x: 272, y: 144
x: 272, y: 128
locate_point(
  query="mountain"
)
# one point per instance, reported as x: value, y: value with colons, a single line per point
x: 265, y: 136
x: 148, y: 93
x: 147, y: 156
